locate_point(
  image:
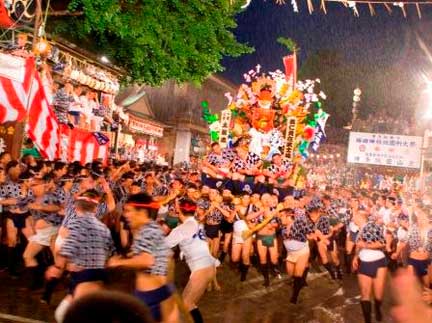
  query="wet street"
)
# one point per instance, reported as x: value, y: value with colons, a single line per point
x: 323, y: 300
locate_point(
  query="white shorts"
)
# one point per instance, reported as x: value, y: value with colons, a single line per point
x: 370, y: 255
x: 44, y: 236
x: 202, y: 263
x: 294, y: 245
x: 293, y: 256
x: 239, y: 227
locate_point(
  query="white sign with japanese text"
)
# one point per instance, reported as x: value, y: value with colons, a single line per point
x: 144, y: 127
x: 384, y: 149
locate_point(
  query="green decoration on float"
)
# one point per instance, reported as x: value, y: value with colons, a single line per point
x: 303, y: 146
x: 213, y: 118
x: 214, y: 136
x: 312, y: 123
x: 206, y: 115
x: 204, y: 104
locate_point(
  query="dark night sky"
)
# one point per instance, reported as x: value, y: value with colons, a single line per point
x: 380, y: 40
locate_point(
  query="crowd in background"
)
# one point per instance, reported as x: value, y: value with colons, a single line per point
x: 82, y: 107
x: 330, y: 167
x: 381, y: 122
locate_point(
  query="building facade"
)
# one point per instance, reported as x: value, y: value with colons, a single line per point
x: 179, y: 107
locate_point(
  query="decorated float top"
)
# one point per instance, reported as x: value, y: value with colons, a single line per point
x: 277, y: 114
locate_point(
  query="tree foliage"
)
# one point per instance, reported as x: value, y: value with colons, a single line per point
x: 289, y: 43
x: 156, y: 40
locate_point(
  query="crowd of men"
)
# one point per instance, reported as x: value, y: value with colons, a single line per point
x: 69, y: 221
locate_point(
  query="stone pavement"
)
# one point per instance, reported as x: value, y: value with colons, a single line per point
x: 323, y: 300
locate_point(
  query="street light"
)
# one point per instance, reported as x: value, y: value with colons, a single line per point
x: 356, y: 101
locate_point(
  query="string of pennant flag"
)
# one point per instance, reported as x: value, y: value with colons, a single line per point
x: 402, y: 5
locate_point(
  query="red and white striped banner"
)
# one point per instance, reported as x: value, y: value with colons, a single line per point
x: 22, y: 94
x: 42, y: 126
x: 16, y: 76
x: 80, y: 145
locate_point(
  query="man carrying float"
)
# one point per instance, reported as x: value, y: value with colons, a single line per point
x: 264, y: 135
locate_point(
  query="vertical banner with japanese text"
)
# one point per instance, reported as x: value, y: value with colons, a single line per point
x: 224, y: 131
x: 290, y: 138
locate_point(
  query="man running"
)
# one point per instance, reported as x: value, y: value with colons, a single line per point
x: 191, y: 238
x: 150, y: 258
x: 84, y: 252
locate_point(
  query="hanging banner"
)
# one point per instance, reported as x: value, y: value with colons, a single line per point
x: 320, y: 135
x: 83, y: 146
x: 13, y: 67
x: 224, y: 131
x: 138, y: 125
x: 290, y: 138
x: 319, y: 138
x: 384, y: 149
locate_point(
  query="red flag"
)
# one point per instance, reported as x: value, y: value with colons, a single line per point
x: 22, y: 94
x: 290, y: 63
x: 43, y: 127
x: 16, y: 76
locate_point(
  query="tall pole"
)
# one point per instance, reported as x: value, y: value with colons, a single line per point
x: 20, y: 127
x: 356, y: 102
x: 422, y: 158
x: 37, y: 22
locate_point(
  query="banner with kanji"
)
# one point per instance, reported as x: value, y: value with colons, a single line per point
x: 385, y: 149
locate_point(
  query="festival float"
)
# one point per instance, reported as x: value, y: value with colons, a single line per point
x: 277, y: 113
